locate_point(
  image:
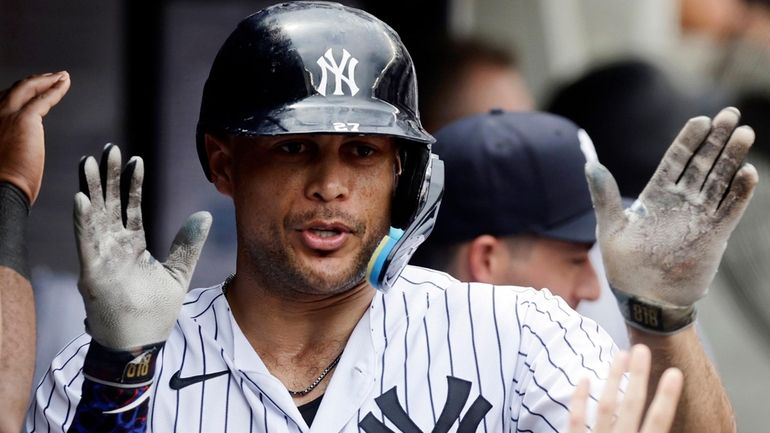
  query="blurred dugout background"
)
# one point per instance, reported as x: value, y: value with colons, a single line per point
x: 138, y: 69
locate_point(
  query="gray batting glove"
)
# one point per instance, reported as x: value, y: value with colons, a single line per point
x: 131, y: 299
x: 662, y: 254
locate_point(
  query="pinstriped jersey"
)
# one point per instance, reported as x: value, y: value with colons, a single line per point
x: 431, y: 355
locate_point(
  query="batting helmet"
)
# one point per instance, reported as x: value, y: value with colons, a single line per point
x: 323, y: 68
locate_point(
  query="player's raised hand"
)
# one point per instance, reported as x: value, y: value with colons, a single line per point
x: 131, y: 299
x: 663, y: 252
x: 22, y: 108
x: 622, y: 412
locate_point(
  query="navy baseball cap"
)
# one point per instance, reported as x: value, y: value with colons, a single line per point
x: 512, y: 173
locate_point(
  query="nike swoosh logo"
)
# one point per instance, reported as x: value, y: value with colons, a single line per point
x: 178, y: 382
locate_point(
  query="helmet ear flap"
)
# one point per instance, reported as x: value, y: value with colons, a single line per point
x: 396, y: 248
x: 412, y: 183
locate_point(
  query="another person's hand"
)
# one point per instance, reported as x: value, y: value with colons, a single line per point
x: 631, y: 402
x: 131, y: 299
x: 22, y: 108
x: 662, y: 253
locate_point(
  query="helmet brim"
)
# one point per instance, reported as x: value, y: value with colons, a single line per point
x: 319, y: 115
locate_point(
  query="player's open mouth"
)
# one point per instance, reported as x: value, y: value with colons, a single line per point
x: 325, y: 233
x: 322, y: 236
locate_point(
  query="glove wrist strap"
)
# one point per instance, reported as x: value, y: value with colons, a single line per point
x: 653, y: 316
x: 119, y: 368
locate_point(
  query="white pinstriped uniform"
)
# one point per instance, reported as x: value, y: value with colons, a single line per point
x: 521, y: 350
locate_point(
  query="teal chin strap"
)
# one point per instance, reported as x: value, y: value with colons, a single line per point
x: 374, y: 270
x: 394, y: 251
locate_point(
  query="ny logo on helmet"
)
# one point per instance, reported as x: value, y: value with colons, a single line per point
x: 328, y: 64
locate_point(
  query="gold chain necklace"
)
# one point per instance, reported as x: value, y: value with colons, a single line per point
x: 319, y: 379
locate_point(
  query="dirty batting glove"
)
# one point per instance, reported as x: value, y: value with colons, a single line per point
x: 662, y: 253
x: 131, y: 299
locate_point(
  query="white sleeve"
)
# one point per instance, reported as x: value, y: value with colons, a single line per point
x: 58, y: 394
x: 558, y: 348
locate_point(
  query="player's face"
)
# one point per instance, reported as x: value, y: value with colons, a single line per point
x: 562, y: 267
x: 311, y: 209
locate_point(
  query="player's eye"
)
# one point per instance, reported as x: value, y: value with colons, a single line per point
x: 362, y: 150
x: 292, y: 147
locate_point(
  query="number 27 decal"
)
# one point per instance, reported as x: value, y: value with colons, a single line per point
x: 349, y: 126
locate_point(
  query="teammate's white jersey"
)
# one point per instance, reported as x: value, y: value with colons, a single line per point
x: 432, y: 355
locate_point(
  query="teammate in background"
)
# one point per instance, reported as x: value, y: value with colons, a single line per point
x: 521, y: 214
x: 309, y: 123
x: 518, y: 211
x: 22, y: 156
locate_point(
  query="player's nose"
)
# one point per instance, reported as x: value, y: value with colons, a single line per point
x: 328, y: 179
x: 588, y: 288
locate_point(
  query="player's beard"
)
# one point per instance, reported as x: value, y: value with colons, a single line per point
x: 277, y: 267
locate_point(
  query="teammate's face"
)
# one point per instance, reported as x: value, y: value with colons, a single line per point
x: 562, y: 267
x: 311, y: 209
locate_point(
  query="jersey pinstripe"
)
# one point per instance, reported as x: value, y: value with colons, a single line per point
x: 433, y: 354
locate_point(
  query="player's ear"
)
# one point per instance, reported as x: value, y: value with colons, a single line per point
x: 484, y: 258
x: 220, y: 154
x: 398, y: 167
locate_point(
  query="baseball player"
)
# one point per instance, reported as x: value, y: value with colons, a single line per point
x: 309, y: 123
x: 541, y: 239
x: 22, y: 108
